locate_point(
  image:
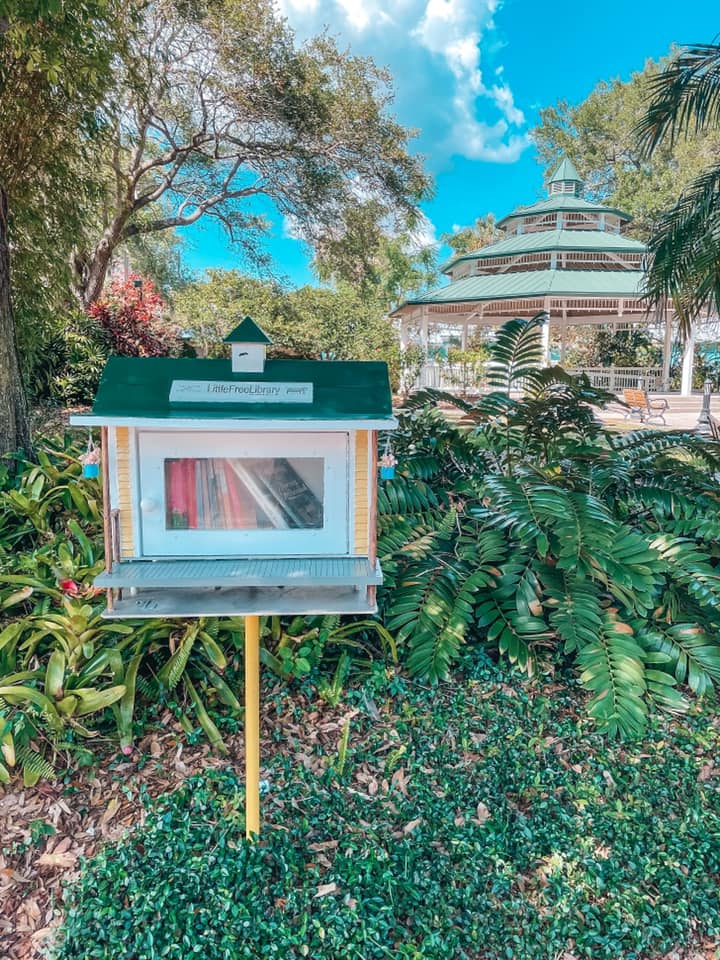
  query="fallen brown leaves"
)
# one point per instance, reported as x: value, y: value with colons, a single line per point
x: 103, y: 803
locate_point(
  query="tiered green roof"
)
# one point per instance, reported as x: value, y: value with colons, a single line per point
x: 618, y: 278
x: 538, y: 283
x: 563, y: 203
x: 549, y: 240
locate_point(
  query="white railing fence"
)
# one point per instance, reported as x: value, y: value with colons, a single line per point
x: 617, y: 379
x: 450, y: 377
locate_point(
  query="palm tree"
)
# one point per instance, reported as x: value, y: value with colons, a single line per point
x: 684, y: 249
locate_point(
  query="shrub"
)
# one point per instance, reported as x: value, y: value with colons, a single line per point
x: 132, y: 314
x: 541, y: 535
x: 476, y: 821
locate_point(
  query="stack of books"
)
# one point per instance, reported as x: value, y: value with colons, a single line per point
x: 242, y: 494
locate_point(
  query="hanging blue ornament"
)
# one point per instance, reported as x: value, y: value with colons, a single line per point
x: 91, y: 459
x: 388, y: 463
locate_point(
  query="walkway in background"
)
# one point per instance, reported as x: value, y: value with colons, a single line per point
x: 682, y: 415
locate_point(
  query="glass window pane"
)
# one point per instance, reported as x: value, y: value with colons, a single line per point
x: 249, y: 493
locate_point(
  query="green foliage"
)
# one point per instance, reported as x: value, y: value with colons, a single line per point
x: 541, y: 535
x: 473, y: 820
x: 308, y: 322
x: 68, y: 367
x: 621, y: 348
x: 57, y: 57
x: 468, y: 239
x: 466, y: 368
x: 684, y: 104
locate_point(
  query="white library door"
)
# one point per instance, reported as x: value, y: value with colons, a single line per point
x: 243, y: 494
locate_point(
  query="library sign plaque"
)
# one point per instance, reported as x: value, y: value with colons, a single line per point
x: 234, y: 391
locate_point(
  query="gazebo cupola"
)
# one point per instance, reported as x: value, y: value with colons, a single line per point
x: 565, y: 180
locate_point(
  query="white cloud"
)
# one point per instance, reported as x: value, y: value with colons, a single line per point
x: 424, y: 235
x: 291, y: 229
x: 434, y: 50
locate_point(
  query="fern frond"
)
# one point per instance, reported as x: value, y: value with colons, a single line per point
x: 687, y: 564
x: 514, y: 632
x: 34, y: 766
x: 689, y: 651
x: 172, y: 671
x: 430, y: 396
x: 577, y: 610
x: 633, y: 570
x: 613, y: 669
x: 432, y: 608
x: 516, y: 352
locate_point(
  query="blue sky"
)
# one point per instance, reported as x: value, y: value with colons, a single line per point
x: 471, y: 76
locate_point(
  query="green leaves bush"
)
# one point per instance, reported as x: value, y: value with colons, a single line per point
x: 530, y: 528
x: 499, y: 828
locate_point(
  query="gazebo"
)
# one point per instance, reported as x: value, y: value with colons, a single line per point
x: 565, y: 256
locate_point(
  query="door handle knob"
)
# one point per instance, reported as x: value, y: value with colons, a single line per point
x: 148, y: 505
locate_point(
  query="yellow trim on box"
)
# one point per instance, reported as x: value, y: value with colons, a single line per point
x: 362, y: 507
x: 122, y: 446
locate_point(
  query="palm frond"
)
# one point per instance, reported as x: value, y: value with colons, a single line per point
x: 687, y: 650
x: 516, y: 352
x: 684, y: 251
x: 684, y: 97
x: 613, y: 669
x: 577, y: 611
x: 687, y: 564
x: 429, y: 395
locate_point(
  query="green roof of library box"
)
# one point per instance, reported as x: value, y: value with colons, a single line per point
x: 134, y: 389
x: 247, y: 331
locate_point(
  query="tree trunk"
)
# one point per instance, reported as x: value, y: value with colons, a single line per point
x: 14, y: 420
x: 91, y: 270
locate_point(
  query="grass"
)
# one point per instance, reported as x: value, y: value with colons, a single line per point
x: 479, y: 820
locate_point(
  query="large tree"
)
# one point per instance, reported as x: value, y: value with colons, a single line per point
x: 337, y: 321
x: 599, y: 136
x: 54, y: 69
x: 467, y: 239
x: 223, y: 115
x: 685, y: 244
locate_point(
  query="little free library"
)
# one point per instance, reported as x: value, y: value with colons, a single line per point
x: 243, y: 486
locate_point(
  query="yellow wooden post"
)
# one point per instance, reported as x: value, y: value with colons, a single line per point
x: 252, y: 726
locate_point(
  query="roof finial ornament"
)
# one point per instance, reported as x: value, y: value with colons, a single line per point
x: 248, y: 342
x: 566, y: 180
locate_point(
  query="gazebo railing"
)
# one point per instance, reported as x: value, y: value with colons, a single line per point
x: 441, y: 376
x: 617, y: 379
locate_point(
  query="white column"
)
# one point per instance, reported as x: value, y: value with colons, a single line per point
x: 687, y: 366
x: 464, y: 337
x: 667, y: 351
x: 546, y: 335
x: 563, y: 342
x: 424, y: 331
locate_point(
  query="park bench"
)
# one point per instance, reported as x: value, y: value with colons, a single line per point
x: 646, y: 408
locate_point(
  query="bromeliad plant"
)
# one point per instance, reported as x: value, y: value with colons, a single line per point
x: 538, y: 532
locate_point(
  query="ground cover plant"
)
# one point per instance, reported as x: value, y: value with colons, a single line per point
x: 473, y: 820
x: 534, y: 531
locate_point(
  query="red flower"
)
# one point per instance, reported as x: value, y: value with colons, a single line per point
x: 69, y: 587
